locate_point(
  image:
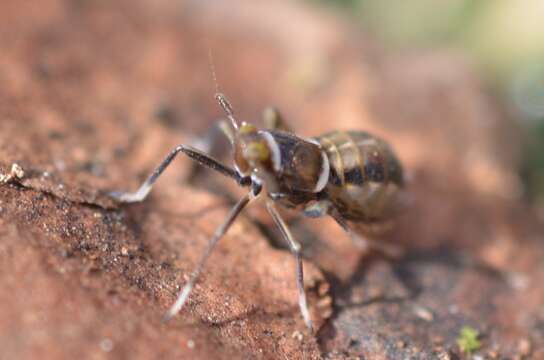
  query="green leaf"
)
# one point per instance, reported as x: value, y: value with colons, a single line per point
x: 468, y: 340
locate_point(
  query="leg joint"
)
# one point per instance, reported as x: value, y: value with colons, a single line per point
x: 296, y: 247
x: 179, y: 148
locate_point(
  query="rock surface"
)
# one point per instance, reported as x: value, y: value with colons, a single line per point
x: 94, y: 94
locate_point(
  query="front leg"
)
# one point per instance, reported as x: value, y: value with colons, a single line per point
x: 198, y: 156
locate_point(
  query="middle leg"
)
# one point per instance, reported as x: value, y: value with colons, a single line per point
x: 295, y: 249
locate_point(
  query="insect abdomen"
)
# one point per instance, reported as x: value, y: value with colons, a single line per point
x: 365, y: 175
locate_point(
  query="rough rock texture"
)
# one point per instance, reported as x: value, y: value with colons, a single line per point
x: 94, y: 94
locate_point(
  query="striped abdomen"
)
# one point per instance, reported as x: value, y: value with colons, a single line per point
x: 365, y: 175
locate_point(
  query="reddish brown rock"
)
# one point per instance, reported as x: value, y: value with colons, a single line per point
x: 94, y: 94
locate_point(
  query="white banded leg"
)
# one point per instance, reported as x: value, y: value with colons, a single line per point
x: 295, y: 249
x: 196, y: 155
x: 221, y: 230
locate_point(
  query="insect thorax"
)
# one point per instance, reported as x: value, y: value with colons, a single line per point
x: 289, y: 166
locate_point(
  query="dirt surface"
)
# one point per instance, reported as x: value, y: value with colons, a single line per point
x: 94, y: 94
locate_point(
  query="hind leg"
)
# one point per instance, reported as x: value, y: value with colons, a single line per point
x: 325, y: 207
x: 273, y: 120
x: 363, y: 242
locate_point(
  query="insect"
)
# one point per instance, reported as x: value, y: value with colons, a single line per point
x: 350, y: 176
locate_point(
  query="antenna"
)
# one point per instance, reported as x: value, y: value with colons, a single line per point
x: 221, y: 98
x: 212, y: 69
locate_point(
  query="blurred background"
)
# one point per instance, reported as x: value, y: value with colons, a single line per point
x: 503, y: 41
x: 94, y: 93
